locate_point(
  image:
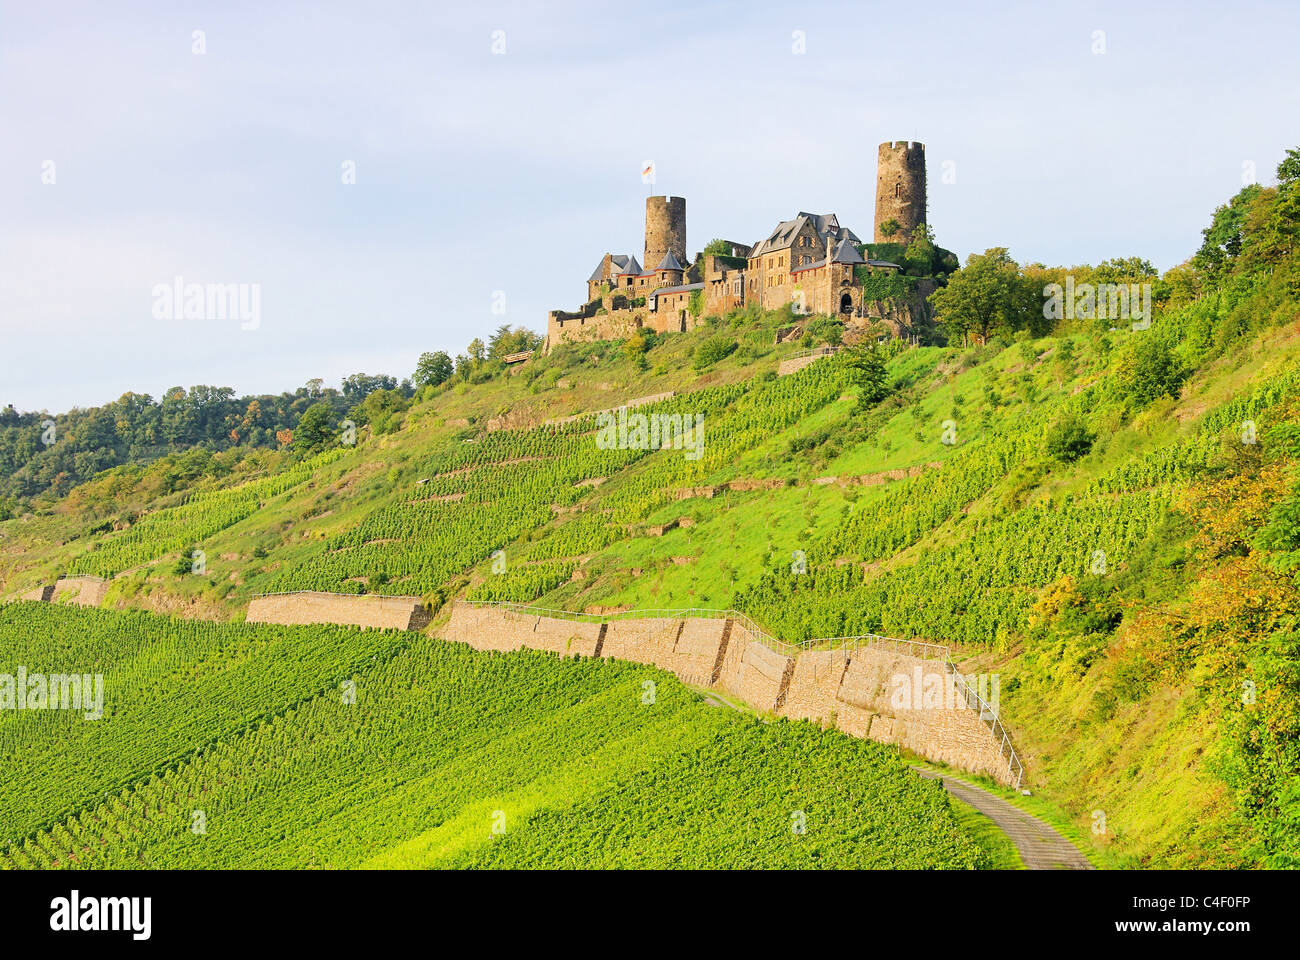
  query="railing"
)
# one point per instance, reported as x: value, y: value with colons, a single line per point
x: 825, y: 350
x: 326, y: 593
x: 912, y: 648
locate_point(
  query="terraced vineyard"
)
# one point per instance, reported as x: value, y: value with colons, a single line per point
x: 242, y: 746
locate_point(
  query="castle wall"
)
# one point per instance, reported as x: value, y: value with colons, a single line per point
x: 398, y: 613
x: 856, y: 691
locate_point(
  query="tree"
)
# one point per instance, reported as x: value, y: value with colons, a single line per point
x: 507, y: 340
x: 921, y: 252
x: 890, y: 227
x: 717, y: 247
x: 1288, y: 171
x: 867, y: 370
x: 1226, y: 233
x: 988, y: 295
x: 316, y: 428
x: 360, y: 385
x: 433, y: 369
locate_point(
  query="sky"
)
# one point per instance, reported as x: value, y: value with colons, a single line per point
x: 494, y: 153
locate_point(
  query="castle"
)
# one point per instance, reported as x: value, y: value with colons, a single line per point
x: 810, y: 262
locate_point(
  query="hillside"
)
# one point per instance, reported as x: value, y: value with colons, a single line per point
x: 1105, y: 517
x: 255, y: 746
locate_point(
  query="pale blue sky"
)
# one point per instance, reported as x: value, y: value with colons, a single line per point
x: 479, y: 172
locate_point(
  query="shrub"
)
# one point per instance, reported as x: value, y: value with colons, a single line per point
x: 1069, y: 439
x: 712, y: 350
x: 1148, y: 370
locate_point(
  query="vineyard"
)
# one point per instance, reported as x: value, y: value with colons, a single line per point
x: 233, y: 746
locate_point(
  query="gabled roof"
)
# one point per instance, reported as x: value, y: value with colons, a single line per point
x: 825, y: 225
x: 670, y: 262
x: 847, y: 253
x: 618, y: 261
x: 678, y: 289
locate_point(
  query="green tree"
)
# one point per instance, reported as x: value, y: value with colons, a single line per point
x: 1288, y: 171
x: 868, y: 372
x: 316, y: 429
x: 921, y: 252
x: 989, y: 295
x: 712, y: 350
x: 433, y: 369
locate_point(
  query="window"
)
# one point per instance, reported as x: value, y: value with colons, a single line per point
x: 898, y: 190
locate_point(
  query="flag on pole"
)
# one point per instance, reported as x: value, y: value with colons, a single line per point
x: 648, y: 172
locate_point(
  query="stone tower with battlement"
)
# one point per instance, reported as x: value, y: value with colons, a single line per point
x: 900, y: 189
x: 665, y: 230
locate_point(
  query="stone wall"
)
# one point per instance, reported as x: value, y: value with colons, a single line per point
x: 690, y: 648
x: 795, y: 364
x: 488, y: 628
x: 80, y: 591
x: 857, y: 691
x: 396, y: 613
x: 42, y: 594
x: 753, y: 672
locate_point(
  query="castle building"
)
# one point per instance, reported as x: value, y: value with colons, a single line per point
x: 811, y: 262
x: 900, y: 190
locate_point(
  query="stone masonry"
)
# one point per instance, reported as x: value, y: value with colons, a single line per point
x: 810, y: 262
x: 857, y: 691
x: 396, y: 613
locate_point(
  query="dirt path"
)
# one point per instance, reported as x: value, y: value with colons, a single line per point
x: 1040, y: 846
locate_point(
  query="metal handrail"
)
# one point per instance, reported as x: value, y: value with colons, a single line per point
x: 986, y: 713
x: 327, y: 593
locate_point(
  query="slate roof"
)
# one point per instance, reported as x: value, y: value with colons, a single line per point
x: 826, y: 225
x: 844, y: 253
x: 678, y: 289
x: 670, y: 262
x: 621, y: 263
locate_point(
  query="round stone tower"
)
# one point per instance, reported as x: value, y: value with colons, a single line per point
x: 900, y: 189
x: 665, y: 230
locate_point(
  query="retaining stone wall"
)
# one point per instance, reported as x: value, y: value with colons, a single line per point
x: 854, y: 691
x: 397, y: 613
